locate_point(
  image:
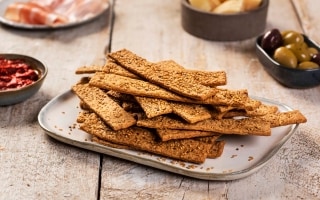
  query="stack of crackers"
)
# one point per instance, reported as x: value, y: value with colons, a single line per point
x: 165, y: 109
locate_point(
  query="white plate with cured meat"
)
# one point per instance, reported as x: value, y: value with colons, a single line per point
x: 50, y: 14
x: 242, y: 155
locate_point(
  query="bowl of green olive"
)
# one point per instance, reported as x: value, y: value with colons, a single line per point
x: 290, y: 57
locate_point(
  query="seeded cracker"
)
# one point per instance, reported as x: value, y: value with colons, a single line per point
x: 114, y: 68
x: 216, y: 149
x: 172, y: 80
x: 235, y: 112
x: 216, y: 78
x: 245, y: 126
x: 192, y: 113
x: 99, y: 102
x: 154, y: 107
x: 285, y: 118
x: 88, y: 69
x: 109, y: 144
x: 174, y: 134
x: 188, y: 150
x: 145, y: 89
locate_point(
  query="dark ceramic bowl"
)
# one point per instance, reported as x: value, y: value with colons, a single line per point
x: 224, y: 27
x: 289, y: 77
x: 14, y: 96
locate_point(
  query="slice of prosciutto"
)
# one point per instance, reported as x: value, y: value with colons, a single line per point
x: 31, y: 13
x: 53, y: 12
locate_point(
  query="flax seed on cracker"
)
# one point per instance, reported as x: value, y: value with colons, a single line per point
x: 216, y: 149
x: 284, y: 118
x: 172, y: 80
x: 188, y: 150
x: 245, y: 126
x: 88, y: 69
x: 191, y: 113
x: 212, y: 79
x: 114, y: 68
x: 99, y: 102
x: 145, y: 89
x: 153, y: 107
x: 174, y: 134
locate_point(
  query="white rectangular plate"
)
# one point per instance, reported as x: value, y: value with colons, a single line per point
x: 242, y: 156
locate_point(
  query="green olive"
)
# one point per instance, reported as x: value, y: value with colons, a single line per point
x: 284, y: 33
x: 308, y: 65
x: 292, y: 37
x: 300, y: 50
x: 285, y: 57
x: 312, y: 51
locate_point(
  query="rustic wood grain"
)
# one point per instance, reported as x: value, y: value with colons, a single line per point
x: 34, y: 166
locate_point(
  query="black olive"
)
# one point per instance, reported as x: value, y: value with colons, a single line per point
x: 316, y: 58
x: 271, y: 40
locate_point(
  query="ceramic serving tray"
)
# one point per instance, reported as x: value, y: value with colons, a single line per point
x: 242, y: 156
x: 4, y: 4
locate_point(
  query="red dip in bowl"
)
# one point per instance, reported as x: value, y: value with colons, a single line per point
x: 16, y: 73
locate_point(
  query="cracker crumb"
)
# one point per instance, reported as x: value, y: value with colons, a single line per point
x: 250, y: 158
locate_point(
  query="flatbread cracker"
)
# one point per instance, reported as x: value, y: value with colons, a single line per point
x: 285, y: 118
x: 260, y: 111
x: 172, y: 80
x: 216, y: 149
x: 154, y: 107
x: 145, y: 89
x: 212, y: 79
x: 109, y: 144
x: 175, y: 134
x: 191, y: 113
x: 143, y: 139
x: 245, y: 126
x: 89, y: 69
x: 99, y: 102
x: 114, y: 68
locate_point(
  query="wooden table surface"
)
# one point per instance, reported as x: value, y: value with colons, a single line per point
x: 35, y: 166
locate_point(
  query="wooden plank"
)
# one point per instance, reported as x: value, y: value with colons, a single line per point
x: 307, y: 11
x: 34, y: 166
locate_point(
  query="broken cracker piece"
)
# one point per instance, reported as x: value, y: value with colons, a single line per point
x: 99, y: 102
x: 192, y: 113
x: 216, y: 149
x: 88, y: 69
x: 285, y: 118
x: 154, y: 107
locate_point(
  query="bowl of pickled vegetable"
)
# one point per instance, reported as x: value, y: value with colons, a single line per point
x: 224, y: 20
x: 290, y: 57
x: 21, y: 77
